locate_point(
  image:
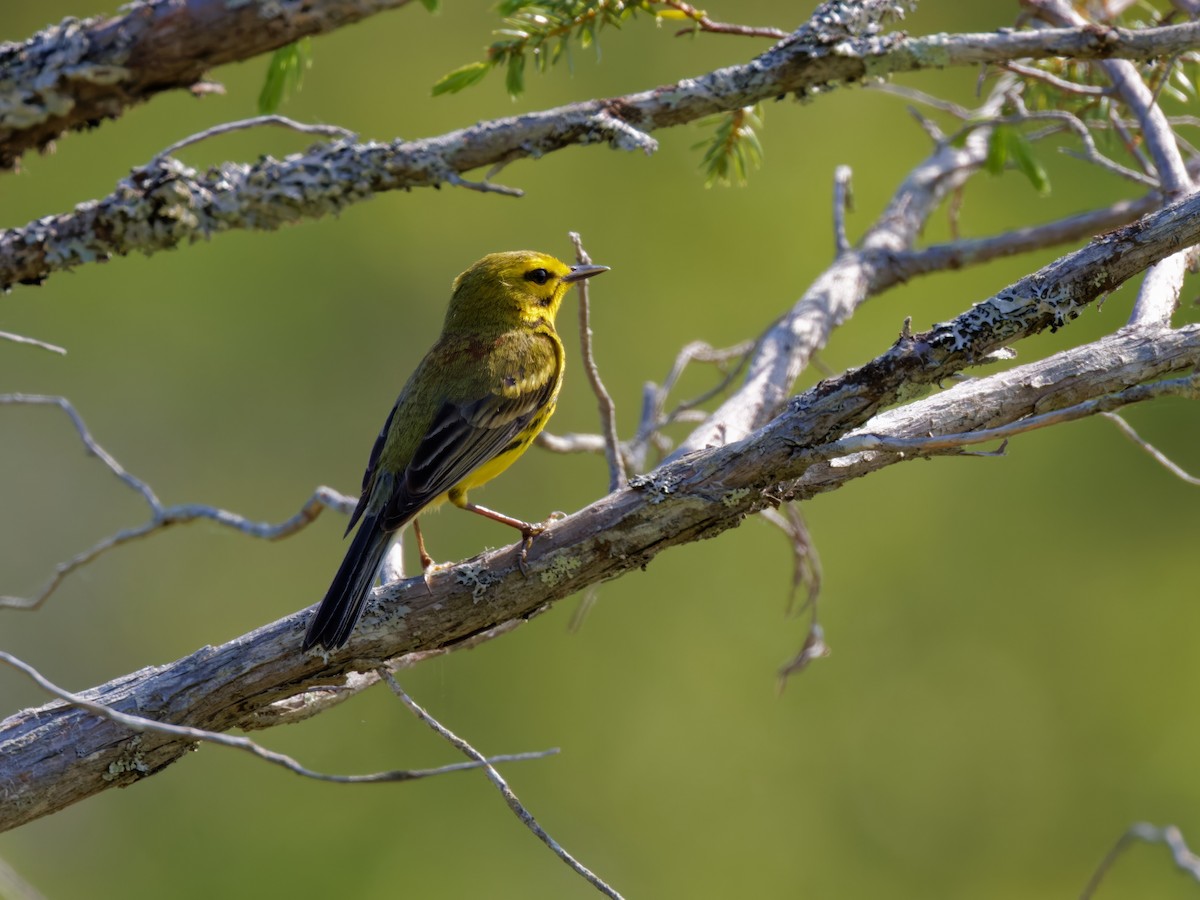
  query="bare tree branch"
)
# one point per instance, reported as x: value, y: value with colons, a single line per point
x: 160, y: 516
x: 789, y: 344
x: 78, y: 73
x: 506, y: 792
x: 608, y: 411
x: 14, y: 887
x: 1187, y: 388
x: 704, y: 23
x: 1160, y: 291
x: 1157, y: 455
x: 32, y: 342
x: 166, y: 203
x: 243, y: 125
x: 1185, y: 860
x: 973, y: 251
x: 140, y: 725
x: 697, y: 496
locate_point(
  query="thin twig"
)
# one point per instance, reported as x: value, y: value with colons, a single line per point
x: 1132, y: 143
x: 497, y: 779
x: 843, y: 201
x: 1161, y: 458
x: 806, y: 574
x: 699, y: 351
x: 608, y: 410
x: 14, y: 887
x: 1062, y: 84
x: 806, y: 563
x: 919, y: 96
x: 484, y: 187
x: 140, y: 724
x: 814, y: 648
x: 1154, y: 129
x: 243, y: 125
x: 654, y: 418
x: 33, y: 342
x: 972, y: 251
x: 706, y: 24
x: 1184, y: 859
x: 160, y: 516
x: 1091, y: 153
x: 573, y: 443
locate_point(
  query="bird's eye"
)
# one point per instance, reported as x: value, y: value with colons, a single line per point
x: 537, y: 276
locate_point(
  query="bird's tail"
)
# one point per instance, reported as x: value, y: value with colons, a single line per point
x: 347, y: 595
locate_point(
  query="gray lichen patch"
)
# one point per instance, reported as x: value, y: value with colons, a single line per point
x: 477, y: 577
x: 560, y: 569
x: 131, y: 760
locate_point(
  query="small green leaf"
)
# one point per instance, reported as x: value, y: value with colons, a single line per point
x: 1027, y: 164
x: 460, y: 78
x: 997, y: 155
x: 431, y: 5
x: 514, y: 77
x: 734, y: 149
x: 285, y: 73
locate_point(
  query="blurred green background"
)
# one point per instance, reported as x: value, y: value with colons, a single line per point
x: 1014, y: 639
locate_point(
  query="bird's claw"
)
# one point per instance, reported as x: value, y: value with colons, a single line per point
x: 528, y: 533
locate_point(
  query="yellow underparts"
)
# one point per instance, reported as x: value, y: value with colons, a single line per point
x: 493, y: 467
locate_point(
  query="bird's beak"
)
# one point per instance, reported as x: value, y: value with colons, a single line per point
x: 578, y: 273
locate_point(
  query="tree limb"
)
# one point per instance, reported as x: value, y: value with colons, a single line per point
x: 165, y: 203
x: 56, y: 755
x: 77, y: 73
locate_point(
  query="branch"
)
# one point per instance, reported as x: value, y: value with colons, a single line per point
x: 695, y: 497
x: 78, y: 73
x: 141, y: 725
x: 608, y: 411
x: 1160, y: 292
x: 704, y: 23
x: 788, y: 346
x: 1187, y: 387
x: 32, y: 342
x: 160, y: 516
x: 497, y: 779
x: 1185, y: 860
x: 1157, y: 455
x: 166, y: 203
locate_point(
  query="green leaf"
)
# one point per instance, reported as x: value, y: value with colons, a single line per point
x: 1021, y: 151
x: 997, y: 155
x: 285, y: 74
x: 547, y: 29
x: 1007, y: 146
x: 514, y: 77
x: 735, y: 148
x: 431, y: 5
x: 462, y: 77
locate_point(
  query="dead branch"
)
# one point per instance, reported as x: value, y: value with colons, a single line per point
x: 697, y: 496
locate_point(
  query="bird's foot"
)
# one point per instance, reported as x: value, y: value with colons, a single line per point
x: 529, y: 531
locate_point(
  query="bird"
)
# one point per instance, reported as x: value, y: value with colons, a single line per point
x: 474, y: 403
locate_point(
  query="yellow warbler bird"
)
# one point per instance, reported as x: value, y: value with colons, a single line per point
x: 474, y: 404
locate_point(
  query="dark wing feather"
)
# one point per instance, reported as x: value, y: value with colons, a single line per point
x: 461, y: 438
x: 339, y: 612
x: 369, y: 474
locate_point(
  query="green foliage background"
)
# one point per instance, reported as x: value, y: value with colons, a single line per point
x: 1014, y: 639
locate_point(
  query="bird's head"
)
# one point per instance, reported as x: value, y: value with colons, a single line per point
x: 506, y: 290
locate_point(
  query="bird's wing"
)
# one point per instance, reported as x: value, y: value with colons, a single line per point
x: 369, y: 474
x: 461, y: 437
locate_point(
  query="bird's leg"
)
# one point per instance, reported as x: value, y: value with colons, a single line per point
x: 529, y: 530
x: 426, y: 560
